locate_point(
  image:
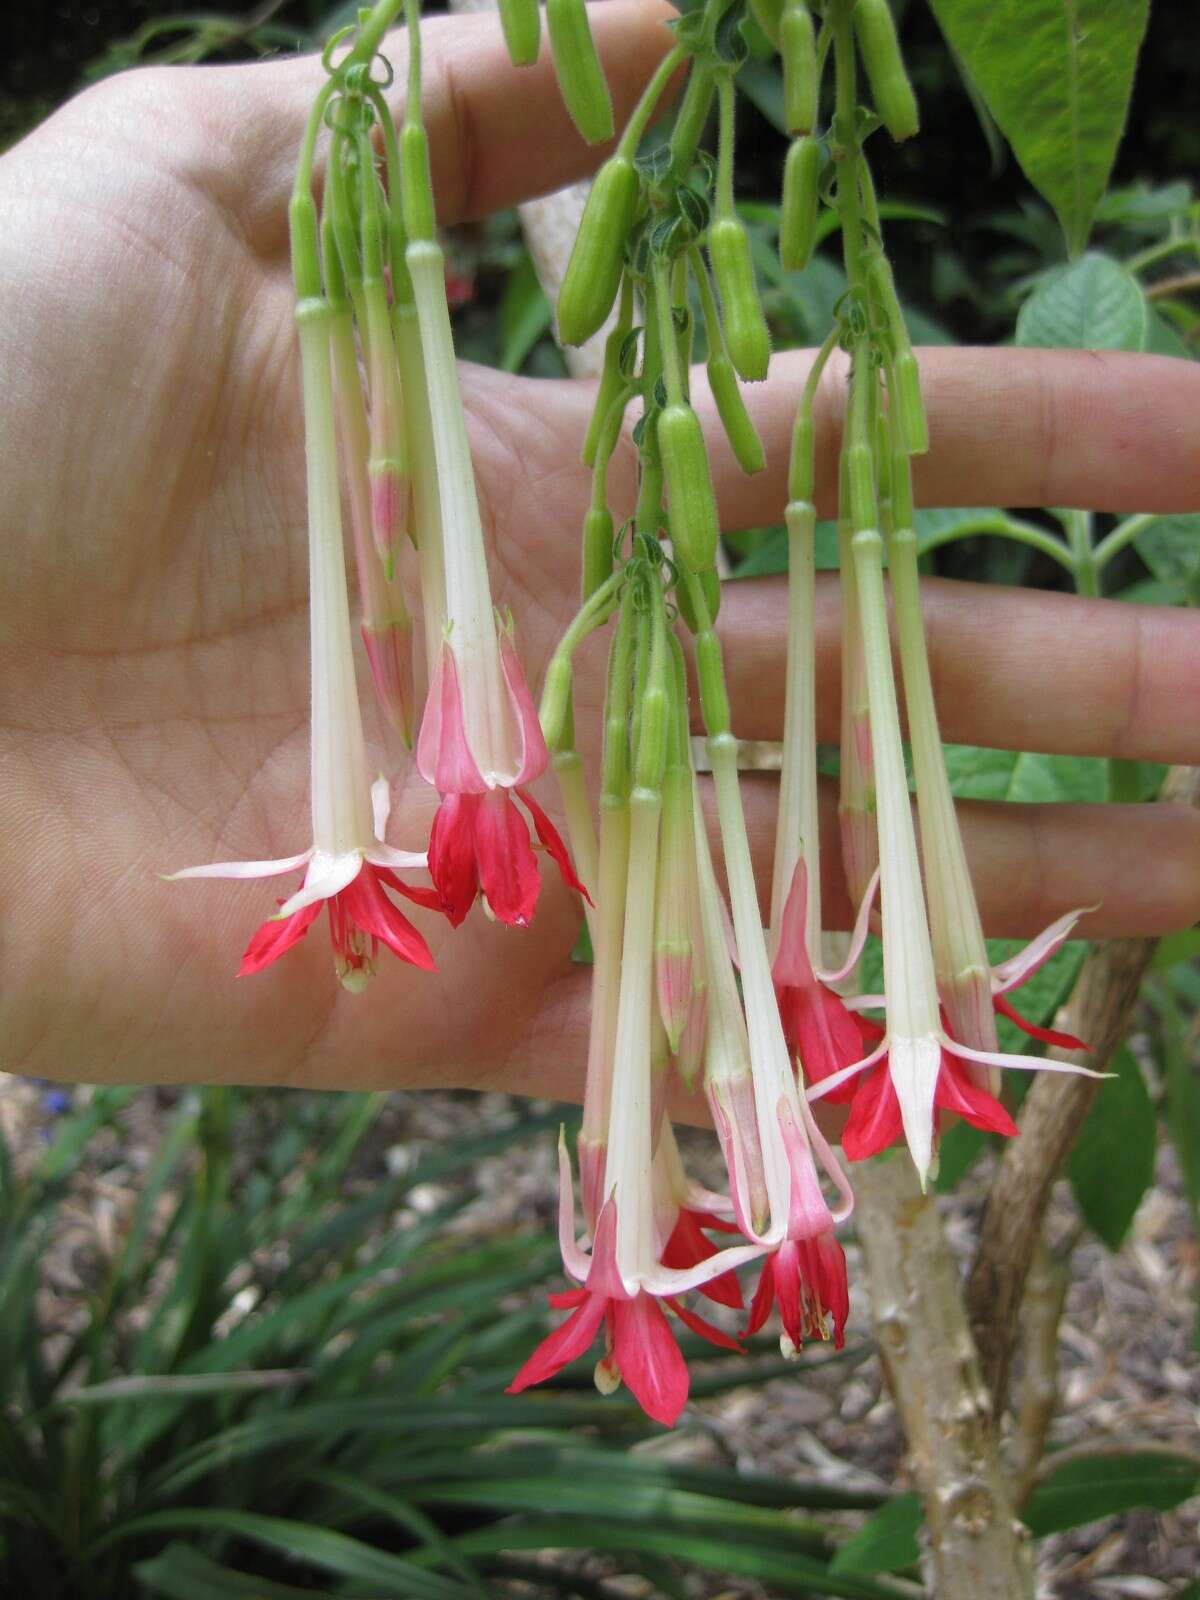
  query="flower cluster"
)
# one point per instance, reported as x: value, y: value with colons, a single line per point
x: 693, y: 988
x: 372, y: 307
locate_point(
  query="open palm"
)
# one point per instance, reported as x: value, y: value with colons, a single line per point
x: 153, y: 635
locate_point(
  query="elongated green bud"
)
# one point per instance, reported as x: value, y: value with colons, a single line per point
x: 691, y: 504
x: 597, y: 549
x: 556, y: 700
x: 798, y: 216
x: 710, y: 588
x: 580, y: 75
x: 880, y: 50
x: 710, y: 674
x: 746, y: 336
x: 769, y: 16
x: 593, y: 273
x: 522, y: 30
x: 735, y: 419
x: 691, y: 117
x: 799, y: 49
x: 860, y: 474
x: 611, y: 384
x: 910, y: 408
x: 416, y: 187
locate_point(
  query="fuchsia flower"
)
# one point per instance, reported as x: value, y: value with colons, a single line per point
x: 640, y: 1349
x: 348, y: 865
x: 480, y: 843
x: 480, y: 742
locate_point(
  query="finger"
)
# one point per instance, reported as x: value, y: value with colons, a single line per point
x: 1098, y: 429
x: 497, y: 134
x: 1013, y: 669
x: 1032, y: 863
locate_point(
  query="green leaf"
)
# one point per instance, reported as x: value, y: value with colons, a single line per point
x: 1093, y: 304
x: 1170, y: 547
x: 1112, y: 1164
x: 885, y: 1543
x: 1176, y: 947
x: 181, y: 1573
x: 1057, y: 76
x: 322, y: 1548
x: 1088, y: 1488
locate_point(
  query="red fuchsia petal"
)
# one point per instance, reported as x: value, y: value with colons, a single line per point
x: 443, y: 755
x: 687, y: 1246
x: 788, y: 1292
x: 706, y: 1330
x: 1064, y: 1041
x: 821, y: 1033
x: 551, y: 841
x: 508, y: 872
x: 648, y: 1358
x: 369, y: 908
x: 764, y: 1298
x: 565, y: 1344
x: 603, y: 1277
x: 452, y: 855
x: 534, y: 755
x: 429, y: 898
x: 955, y: 1092
x: 793, y: 966
x: 567, y: 1299
x: 874, y: 1123
x: 275, y: 938
x: 823, y: 1266
x: 711, y: 1224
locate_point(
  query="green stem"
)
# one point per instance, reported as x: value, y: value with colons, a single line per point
x: 725, y: 107
x: 1124, y: 533
x: 1078, y: 525
x: 644, y: 110
x: 1006, y: 527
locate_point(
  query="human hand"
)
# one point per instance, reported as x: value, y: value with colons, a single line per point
x: 153, y: 637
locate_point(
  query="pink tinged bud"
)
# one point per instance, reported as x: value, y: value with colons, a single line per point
x: 689, y: 1057
x: 673, y: 984
x: 592, y: 1156
x: 970, y: 1016
x: 391, y: 508
x: 389, y: 652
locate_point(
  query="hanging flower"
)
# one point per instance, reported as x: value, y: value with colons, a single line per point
x: 348, y: 865
x: 480, y: 742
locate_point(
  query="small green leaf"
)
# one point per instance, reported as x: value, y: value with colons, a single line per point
x: 1088, y: 1488
x: 1176, y: 947
x: 885, y: 1543
x: 1170, y: 547
x: 1112, y: 1164
x: 1057, y: 76
x: 1092, y: 305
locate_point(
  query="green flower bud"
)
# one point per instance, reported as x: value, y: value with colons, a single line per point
x: 860, y: 475
x: 556, y: 700
x: 416, y: 189
x: 593, y: 273
x: 910, y: 408
x: 597, y: 549
x: 798, y: 217
x: 581, y: 78
x: 735, y: 419
x: 691, y: 504
x: 746, y: 334
x: 710, y: 588
x: 799, y: 50
x: 522, y: 26
x: 710, y: 675
x: 769, y: 16
x: 611, y: 383
x: 880, y: 50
